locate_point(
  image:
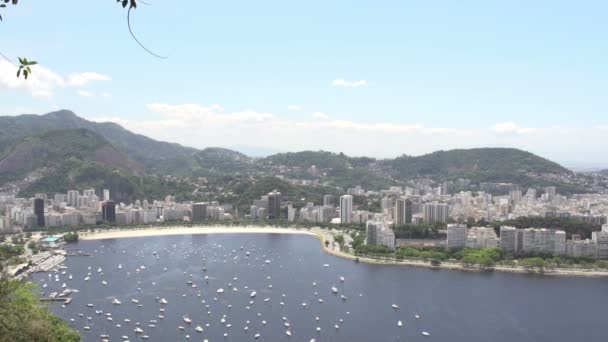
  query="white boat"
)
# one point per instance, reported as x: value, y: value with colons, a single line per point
x: 138, y: 330
x: 256, y: 336
x: 417, y: 316
x: 424, y: 333
x: 103, y: 282
x: 116, y: 302
x: 334, y: 289
x: 86, y: 278
x: 288, y: 333
x: 266, y: 299
x: 325, y: 265
x: 134, y: 301
x: 395, y: 306
x: 342, y: 279
x: 99, y: 270
x: 90, y: 305
x: 399, y: 323
x: 343, y: 297
x: 181, y: 327
x: 199, y: 328
x: 220, y: 290
x: 163, y: 301
x: 253, y: 294
x: 187, y: 320
x: 337, y: 327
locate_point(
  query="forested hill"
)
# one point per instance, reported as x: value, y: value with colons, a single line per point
x: 110, y: 150
x: 488, y: 164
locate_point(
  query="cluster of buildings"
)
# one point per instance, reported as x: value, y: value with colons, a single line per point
x: 417, y: 204
x: 74, y: 209
x: 530, y: 240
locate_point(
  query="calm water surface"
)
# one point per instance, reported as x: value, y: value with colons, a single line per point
x: 452, y: 305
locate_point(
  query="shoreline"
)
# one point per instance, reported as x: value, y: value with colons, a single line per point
x: 323, y: 235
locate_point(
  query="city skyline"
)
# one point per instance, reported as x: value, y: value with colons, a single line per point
x: 456, y: 76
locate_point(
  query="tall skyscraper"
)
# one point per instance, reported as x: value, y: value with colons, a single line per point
x: 403, y: 211
x: 73, y: 198
x: 106, y: 195
x: 108, y: 211
x: 199, y: 211
x: 39, y: 211
x: 346, y: 209
x: 274, y: 205
x: 328, y: 200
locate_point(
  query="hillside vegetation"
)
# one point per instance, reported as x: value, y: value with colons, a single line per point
x: 67, y: 152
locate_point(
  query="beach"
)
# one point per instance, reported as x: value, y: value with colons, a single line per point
x: 323, y: 235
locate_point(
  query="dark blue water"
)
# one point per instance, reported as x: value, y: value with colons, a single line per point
x: 452, y: 305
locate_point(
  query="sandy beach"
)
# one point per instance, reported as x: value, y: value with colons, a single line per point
x: 180, y: 230
x: 323, y: 235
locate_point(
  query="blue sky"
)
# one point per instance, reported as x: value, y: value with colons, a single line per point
x: 429, y: 74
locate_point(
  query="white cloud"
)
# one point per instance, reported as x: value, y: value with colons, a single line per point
x: 43, y: 82
x: 294, y: 107
x: 80, y: 79
x: 83, y: 93
x: 203, y: 126
x: 511, y: 127
x: 320, y: 115
x: 104, y: 94
x: 349, y: 84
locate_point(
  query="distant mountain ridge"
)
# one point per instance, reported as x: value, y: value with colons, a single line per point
x: 63, y: 136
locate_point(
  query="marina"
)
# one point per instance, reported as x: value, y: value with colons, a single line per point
x: 288, y: 289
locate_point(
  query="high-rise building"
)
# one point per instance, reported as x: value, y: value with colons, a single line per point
x: 457, y: 236
x: 516, y: 196
x: 601, y: 241
x: 39, y: 211
x: 106, y: 195
x: 386, y: 204
x: 377, y: 234
x: 73, y: 198
x: 550, y: 192
x: 108, y: 211
x: 346, y: 208
x: 435, y: 212
x: 199, y: 211
x: 544, y: 241
x: 508, y: 239
x: 329, y: 200
x: 89, y: 194
x: 403, y: 211
x: 274, y: 205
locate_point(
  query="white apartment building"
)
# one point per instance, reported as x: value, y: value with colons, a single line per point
x: 457, y: 236
x: 346, y: 209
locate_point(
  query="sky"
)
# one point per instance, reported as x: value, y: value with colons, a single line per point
x: 376, y: 78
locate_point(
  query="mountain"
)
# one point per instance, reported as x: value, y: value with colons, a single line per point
x: 72, y: 152
x: 480, y: 164
x: 604, y: 172
x: 52, y: 148
x: 156, y: 156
